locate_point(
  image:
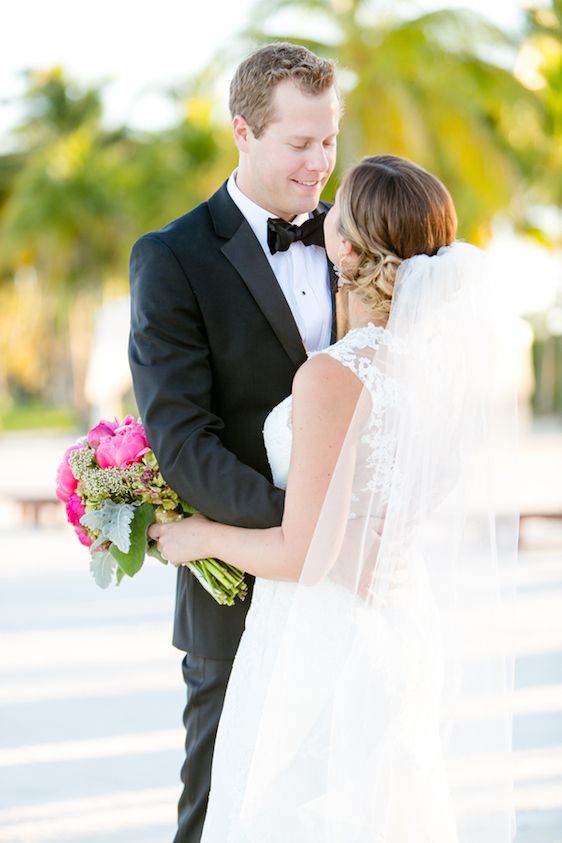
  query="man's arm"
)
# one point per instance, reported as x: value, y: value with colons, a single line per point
x: 325, y: 396
x: 169, y: 357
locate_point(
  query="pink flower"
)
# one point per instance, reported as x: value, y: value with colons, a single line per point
x: 128, y: 445
x: 66, y: 481
x: 83, y: 536
x: 101, y: 431
x: 74, y: 510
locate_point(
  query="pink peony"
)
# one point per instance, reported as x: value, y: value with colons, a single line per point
x: 101, y: 431
x: 74, y: 510
x: 83, y: 536
x: 128, y: 445
x: 66, y: 481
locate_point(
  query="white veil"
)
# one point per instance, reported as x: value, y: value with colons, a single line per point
x: 387, y: 717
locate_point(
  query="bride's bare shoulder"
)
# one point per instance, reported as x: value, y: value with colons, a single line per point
x: 322, y: 383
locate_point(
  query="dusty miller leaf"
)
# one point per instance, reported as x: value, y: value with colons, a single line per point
x: 101, y: 539
x: 114, y: 521
x: 131, y: 562
x: 102, y: 566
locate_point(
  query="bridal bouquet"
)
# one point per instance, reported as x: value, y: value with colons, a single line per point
x: 113, y: 490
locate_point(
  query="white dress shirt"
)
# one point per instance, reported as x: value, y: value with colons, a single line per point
x: 301, y: 271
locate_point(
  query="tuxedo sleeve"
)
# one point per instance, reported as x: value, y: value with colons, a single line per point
x: 169, y: 356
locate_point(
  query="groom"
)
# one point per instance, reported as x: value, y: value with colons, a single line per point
x: 226, y: 302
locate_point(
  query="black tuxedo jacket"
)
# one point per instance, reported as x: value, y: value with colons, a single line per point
x: 213, y: 348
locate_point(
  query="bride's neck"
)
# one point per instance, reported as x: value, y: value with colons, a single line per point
x: 361, y: 323
x: 359, y: 314
x: 352, y: 313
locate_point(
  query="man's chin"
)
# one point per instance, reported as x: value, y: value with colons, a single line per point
x: 306, y: 205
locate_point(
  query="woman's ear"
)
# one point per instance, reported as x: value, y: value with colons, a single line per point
x: 345, y: 251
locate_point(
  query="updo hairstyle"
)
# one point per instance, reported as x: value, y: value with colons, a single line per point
x: 390, y: 209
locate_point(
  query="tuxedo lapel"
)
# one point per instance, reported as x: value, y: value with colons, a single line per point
x: 333, y: 292
x: 246, y: 256
x: 325, y: 207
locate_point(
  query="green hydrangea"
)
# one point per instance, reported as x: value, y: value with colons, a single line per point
x: 148, y: 485
x: 98, y: 484
x: 81, y: 460
x: 141, y: 481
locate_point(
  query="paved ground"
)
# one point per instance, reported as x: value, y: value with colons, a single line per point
x: 91, y: 693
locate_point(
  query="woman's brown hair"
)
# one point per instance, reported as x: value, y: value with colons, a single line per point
x: 390, y: 209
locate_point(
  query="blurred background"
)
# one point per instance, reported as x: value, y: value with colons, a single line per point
x: 113, y: 121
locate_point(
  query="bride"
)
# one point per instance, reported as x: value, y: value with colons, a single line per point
x: 369, y: 696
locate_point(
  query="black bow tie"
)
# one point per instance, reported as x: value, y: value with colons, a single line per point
x: 280, y: 234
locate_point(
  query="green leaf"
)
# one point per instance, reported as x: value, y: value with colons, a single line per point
x: 102, y: 566
x: 187, y: 508
x: 98, y: 542
x: 131, y: 562
x: 150, y: 460
x: 113, y: 520
x: 152, y: 550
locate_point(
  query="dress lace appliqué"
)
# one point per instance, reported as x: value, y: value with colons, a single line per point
x: 355, y: 351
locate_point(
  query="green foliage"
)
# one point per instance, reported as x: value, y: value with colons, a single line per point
x: 38, y: 416
x: 430, y: 88
x: 131, y: 562
x: 73, y: 198
x: 102, y: 568
x: 56, y: 106
x: 541, y: 63
x: 112, y: 520
x: 448, y: 89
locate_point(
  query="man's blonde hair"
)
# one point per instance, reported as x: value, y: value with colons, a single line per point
x: 251, y: 89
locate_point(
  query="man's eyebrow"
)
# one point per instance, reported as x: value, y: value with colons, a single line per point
x: 307, y: 138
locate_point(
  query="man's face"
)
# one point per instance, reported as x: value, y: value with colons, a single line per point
x: 284, y: 170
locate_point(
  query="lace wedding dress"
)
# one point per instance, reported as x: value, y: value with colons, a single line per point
x: 259, y: 646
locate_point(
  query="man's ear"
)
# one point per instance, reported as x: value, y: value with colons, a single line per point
x: 241, y: 132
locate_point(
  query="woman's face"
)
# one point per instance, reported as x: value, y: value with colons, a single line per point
x: 332, y: 237
x: 338, y: 248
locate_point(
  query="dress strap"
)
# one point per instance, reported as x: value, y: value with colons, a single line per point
x: 355, y: 351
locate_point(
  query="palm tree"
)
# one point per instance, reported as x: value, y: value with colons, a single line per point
x: 540, y: 66
x: 428, y: 88
x: 56, y: 215
x: 75, y: 198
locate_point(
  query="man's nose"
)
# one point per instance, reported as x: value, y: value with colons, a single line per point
x: 317, y: 159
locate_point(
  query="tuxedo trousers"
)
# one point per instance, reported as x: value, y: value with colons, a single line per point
x: 206, y: 681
